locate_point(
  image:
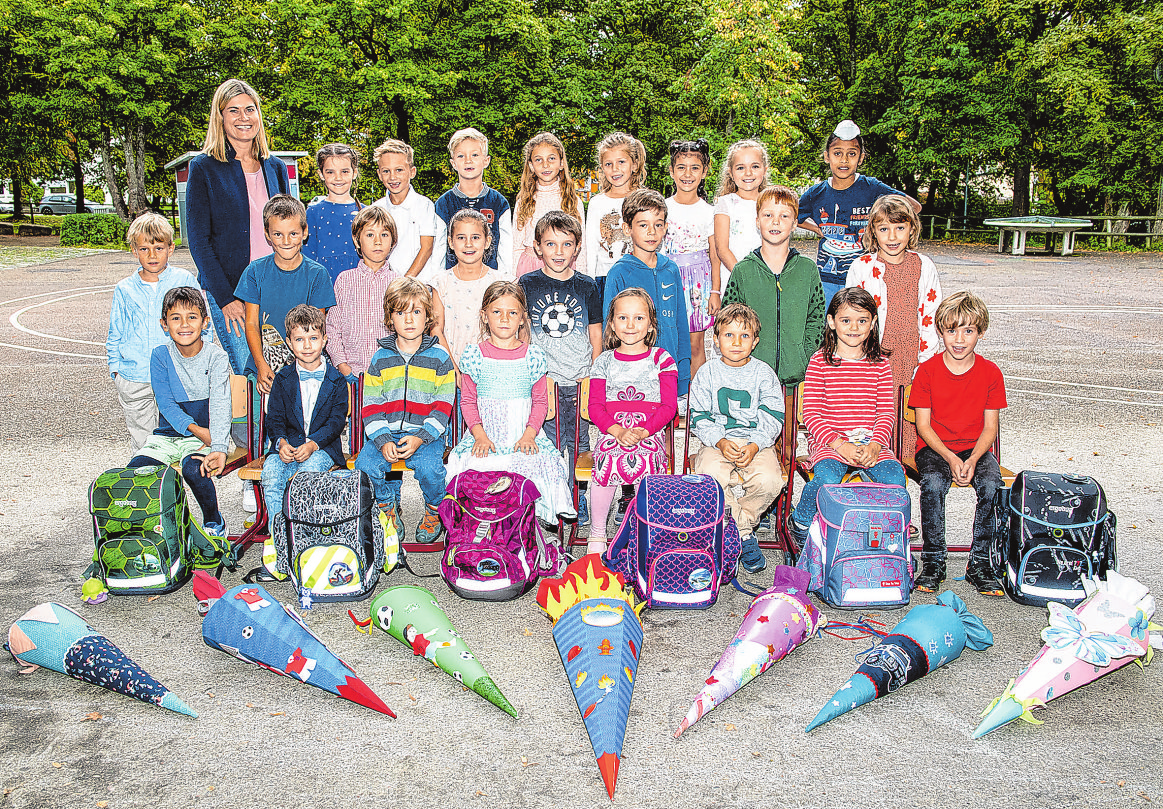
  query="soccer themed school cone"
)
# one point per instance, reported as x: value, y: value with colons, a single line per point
x: 411, y: 615
x: 779, y: 619
x: 55, y: 637
x: 599, y: 637
x: 930, y: 636
x: 1109, y: 629
x: 249, y: 623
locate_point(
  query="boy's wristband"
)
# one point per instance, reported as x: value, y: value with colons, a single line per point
x: 715, y: 292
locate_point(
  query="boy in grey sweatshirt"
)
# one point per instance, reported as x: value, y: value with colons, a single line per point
x: 737, y: 414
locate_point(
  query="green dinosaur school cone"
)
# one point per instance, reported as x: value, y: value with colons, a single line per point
x: 411, y: 615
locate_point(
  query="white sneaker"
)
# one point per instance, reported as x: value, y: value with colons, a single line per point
x: 249, y: 504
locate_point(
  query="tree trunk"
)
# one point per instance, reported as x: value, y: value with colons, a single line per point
x: 1122, y: 226
x: 78, y: 176
x: 111, y: 181
x: 1157, y: 225
x: 1021, y: 206
x: 138, y: 199
x: 949, y: 204
x: 400, y: 110
x: 931, y: 197
x: 17, y: 202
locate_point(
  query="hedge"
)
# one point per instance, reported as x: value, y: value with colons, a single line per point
x: 92, y: 228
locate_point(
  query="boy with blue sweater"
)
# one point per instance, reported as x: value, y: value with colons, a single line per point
x: 273, y: 285
x: 468, y: 152
x: 191, y: 384
x: 135, y: 321
x: 644, y: 213
x: 408, y: 391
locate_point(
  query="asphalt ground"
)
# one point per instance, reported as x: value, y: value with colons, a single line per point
x: 1079, y: 341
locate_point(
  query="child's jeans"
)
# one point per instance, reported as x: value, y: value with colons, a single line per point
x: 936, y: 478
x: 237, y: 351
x: 567, y: 418
x: 276, y: 473
x: 831, y: 471
x: 202, y: 487
x: 761, y: 480
x: 427, y: 462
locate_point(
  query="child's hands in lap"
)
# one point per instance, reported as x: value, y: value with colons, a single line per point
x: 963, y: 472
x: 527, y: 443
x: 483, y: 447
x: 729, y: 449
x: 866, y: 455
x: 213, y: 464
x: 850, y: 453
x: 406, y: 447
x: 304, y: 450
x: 286, y: 451
x: 746, y: 455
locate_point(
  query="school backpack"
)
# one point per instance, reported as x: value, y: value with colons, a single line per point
x: 1050, y: 530
x: 333, y: 540
x: 857, y: 552
x: 141, y: 529
x: 677, y: 544
x: 495, y: 550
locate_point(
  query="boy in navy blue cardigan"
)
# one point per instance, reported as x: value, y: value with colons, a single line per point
x: 306, y: 410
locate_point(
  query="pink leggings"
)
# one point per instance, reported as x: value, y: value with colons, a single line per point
x: 601, y: 499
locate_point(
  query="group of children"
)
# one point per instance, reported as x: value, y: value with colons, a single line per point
x: 457, y: 296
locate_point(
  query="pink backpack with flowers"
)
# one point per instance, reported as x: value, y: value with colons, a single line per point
x: 495, y: 549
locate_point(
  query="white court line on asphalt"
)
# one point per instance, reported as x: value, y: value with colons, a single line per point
x: 46, y: 294
x: 15, y: 318
x: 58, y: 353
x: 1084, y: 398
x: 1068, y: 309
x: 1084, y: 385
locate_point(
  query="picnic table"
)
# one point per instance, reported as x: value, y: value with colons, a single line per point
x: 1021, y: 225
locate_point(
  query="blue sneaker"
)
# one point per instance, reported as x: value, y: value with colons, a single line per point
x: 583, y: 509
x: 764, y: 523
x: 752, y: 558
x: 623, y: 504
x: 215, y: 529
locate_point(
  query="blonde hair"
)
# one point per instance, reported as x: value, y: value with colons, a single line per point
x: 461, y: 135
x: 152, y: 227
x: 526, y: 202
x: 215, y: 143
x: 895, y: 209
x: 402, y: 292
x: 726, y: 181
x: 962, y: 309
x: 636, y: 152
x: 504, y: 289
x: 610, y: 340
x: 374, y: 214
x: 393, y: 146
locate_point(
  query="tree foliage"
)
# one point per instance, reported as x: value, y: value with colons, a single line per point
x: 1065, y: 91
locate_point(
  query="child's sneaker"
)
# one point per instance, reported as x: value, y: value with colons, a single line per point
x: 392, y: 512
x: 583, y: 509
x: 751, y: 557
x: 215, y: 529
x: 623, y: 504
x: 799, y: 534
x: 982, y: 578
x: 430, y: 528
x: 931, y: 577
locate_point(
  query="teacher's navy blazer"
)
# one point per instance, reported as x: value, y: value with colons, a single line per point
x: 285, y: 412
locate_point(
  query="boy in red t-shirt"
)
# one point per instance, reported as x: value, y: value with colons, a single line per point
x: 957, y: 396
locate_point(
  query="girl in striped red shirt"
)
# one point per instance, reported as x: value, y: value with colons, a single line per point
x: 848, y: 409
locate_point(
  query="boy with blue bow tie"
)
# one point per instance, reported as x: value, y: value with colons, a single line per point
x: 306, y: 410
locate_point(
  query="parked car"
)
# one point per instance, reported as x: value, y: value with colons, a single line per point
x: 62, y: 204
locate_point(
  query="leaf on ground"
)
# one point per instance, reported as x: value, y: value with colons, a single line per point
x: 102, y: 804
x: 729, y: 726
x: 277, y: 713
x: 1121, y: 784
x: 482, y: 794
x: 527, y: 632
x: 250, y: 705
x: 92, y: 716
x: 525, y: 762
x: 411, y: 698
x: 57, y: 764
x: 756, y: 754
x: 151, y: 599
x: 1143, y: 795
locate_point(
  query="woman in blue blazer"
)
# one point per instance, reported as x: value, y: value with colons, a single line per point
x: 228, y: 185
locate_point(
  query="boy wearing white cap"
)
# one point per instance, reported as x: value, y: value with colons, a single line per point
x: 837, y: 208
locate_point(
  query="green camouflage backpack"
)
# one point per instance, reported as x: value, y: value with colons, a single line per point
x: 141, y: 529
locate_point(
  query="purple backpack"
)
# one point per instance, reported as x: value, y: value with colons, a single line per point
x: 495, y: 550
x: 677, y: 545
x: 857, y: 551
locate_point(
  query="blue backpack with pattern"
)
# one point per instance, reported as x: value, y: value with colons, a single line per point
x: 857, y: 551
x: 677, y: 545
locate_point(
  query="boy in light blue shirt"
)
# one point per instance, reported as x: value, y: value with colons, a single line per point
x: 135, y: 322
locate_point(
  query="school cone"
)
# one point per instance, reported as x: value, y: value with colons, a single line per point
x: 54, y: 637
x: 930, y: 636
x: 599, y: 636
x: 411, y: 615
x: 1108, y: 630
x: 778, y: 620
x: 250, y: 624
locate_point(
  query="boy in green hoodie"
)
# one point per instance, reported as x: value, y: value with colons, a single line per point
x: 783, y: 287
